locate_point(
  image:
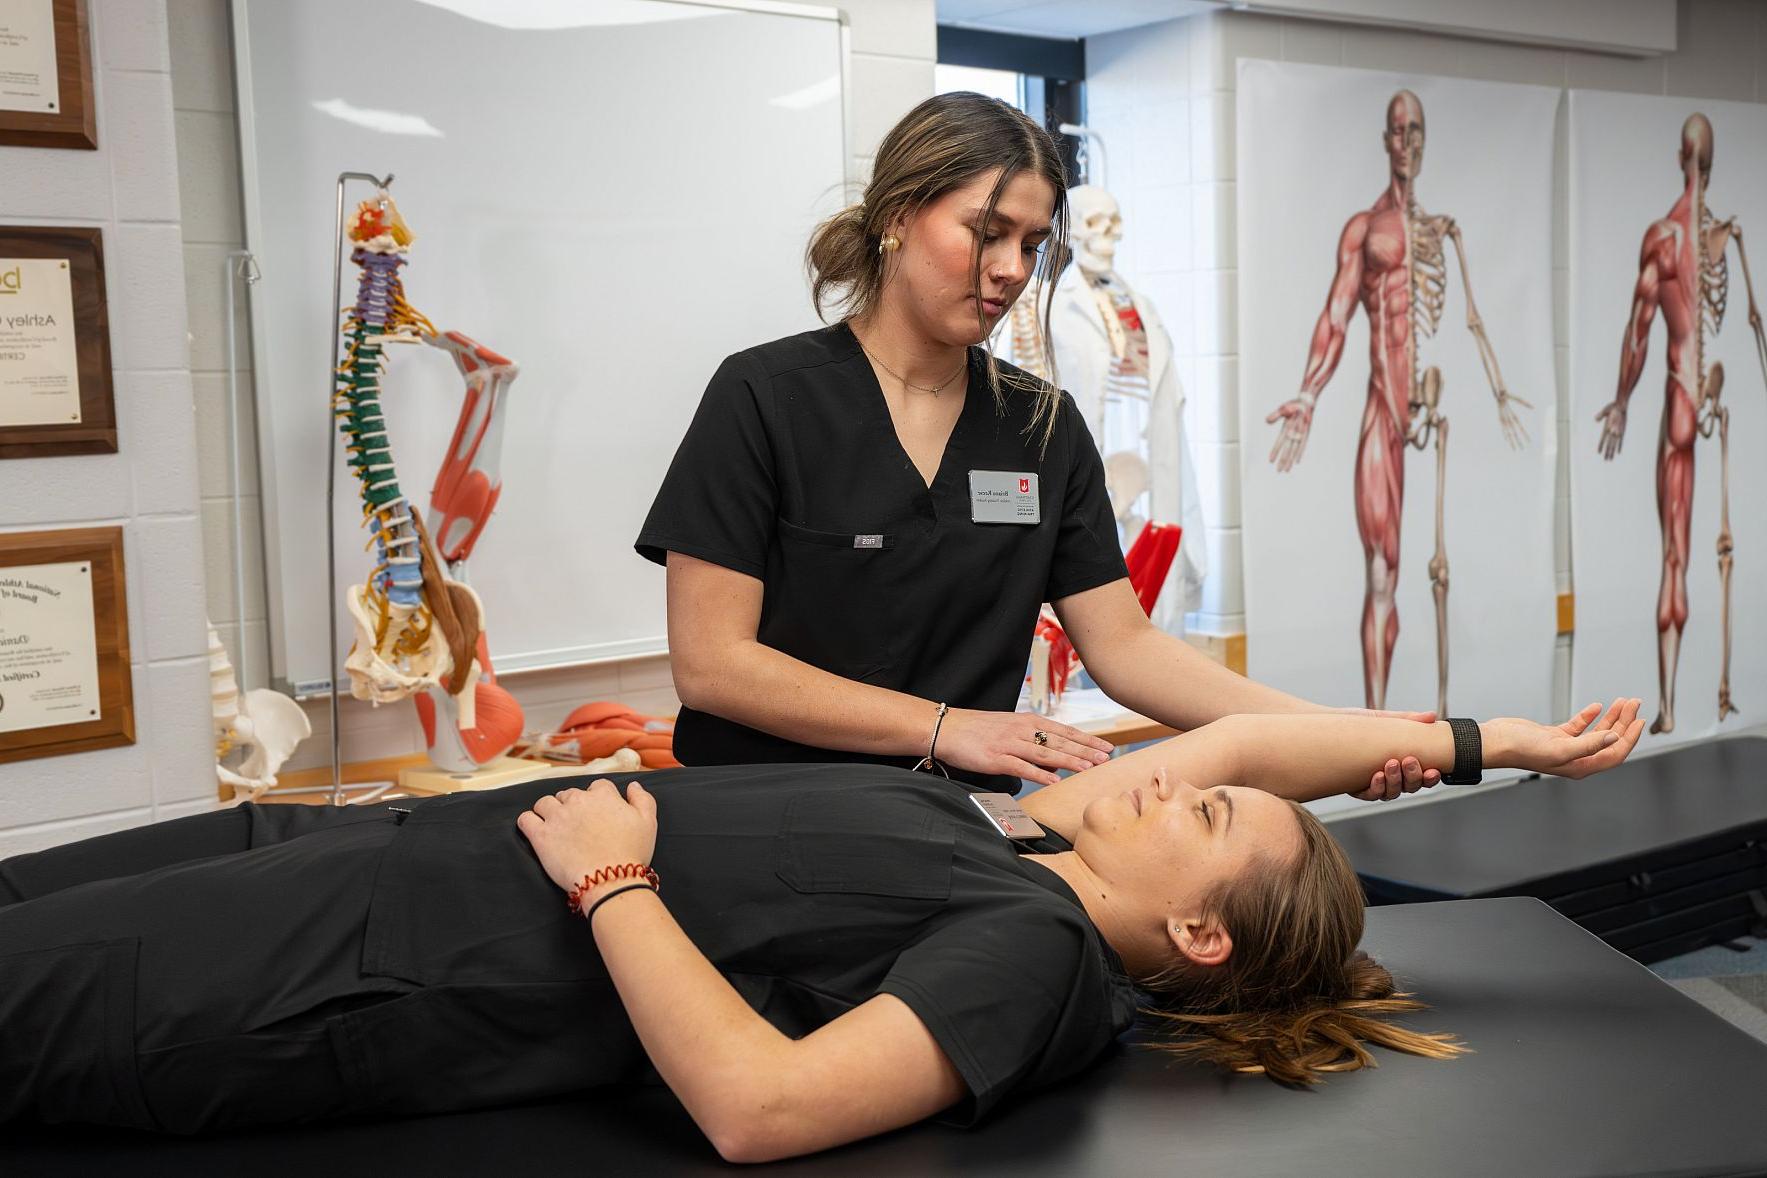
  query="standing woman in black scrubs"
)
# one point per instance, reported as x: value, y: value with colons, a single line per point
x: 863, y: 520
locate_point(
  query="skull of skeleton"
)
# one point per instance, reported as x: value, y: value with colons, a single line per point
x: 1097, y: 227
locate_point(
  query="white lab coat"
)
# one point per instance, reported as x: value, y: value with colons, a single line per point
x: 1083, y: 360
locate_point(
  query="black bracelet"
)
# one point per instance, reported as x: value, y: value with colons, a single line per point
x: 631, y: 887
x: 1469, y: 753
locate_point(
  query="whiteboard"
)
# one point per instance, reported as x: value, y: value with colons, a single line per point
x: 615, y: 195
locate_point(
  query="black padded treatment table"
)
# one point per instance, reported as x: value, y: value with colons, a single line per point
x: 1586, y: 1064
x: 1658, y: 857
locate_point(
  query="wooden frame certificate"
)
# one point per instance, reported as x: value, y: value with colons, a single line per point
x: 55, y: 379
x: 64, y: 643
x: 46, y: 75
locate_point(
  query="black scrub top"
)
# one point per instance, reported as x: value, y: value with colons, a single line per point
x: 792, y: 455
x: 812, y: 888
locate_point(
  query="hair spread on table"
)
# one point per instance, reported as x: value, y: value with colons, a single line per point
x: 940, y: 145
x: 1296, y: 998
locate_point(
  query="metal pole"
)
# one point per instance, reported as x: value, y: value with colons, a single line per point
x: 1079, y: 131
x: 247, y: 269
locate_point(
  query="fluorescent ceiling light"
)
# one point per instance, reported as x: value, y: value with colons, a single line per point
x: 570, y: 14
x: 392, y: 122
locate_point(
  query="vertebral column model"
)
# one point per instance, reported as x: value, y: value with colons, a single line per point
x: 1682, y: 270
x: 414, y: 627
x: 1392, y: 260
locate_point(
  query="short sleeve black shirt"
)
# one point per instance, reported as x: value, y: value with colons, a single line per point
x: 812, y: 888
x: 792, y: 455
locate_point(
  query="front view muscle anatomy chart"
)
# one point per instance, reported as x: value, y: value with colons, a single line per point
x: 1392, y: 259
x: 1683, y: 271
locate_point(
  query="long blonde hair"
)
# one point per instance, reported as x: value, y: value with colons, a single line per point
x: 1296, y: 998
x: 939, y: 146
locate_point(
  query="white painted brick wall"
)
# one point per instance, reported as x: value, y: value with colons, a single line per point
x: 129, y: 189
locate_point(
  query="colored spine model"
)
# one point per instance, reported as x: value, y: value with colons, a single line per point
x: 381, y: 316
x: 414, y: 627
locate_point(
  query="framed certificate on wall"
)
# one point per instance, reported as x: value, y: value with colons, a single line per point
x: 46, y: 75
x: 55, y: 378
x: 64, y: 643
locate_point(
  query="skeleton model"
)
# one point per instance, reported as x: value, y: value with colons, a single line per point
x: 417, y: 628
x: 267, y: 724
x: 1112, y: 353
x: 1392, y: 259
x: 1683, y: 270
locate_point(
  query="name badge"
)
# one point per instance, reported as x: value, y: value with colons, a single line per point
x: 1004, y: 497
x: 1008, y: 817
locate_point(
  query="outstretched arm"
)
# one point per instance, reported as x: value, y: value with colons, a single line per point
x: 1157, y: 674
x: 1142, y: 667
x: 1636, y: 342
x: 1310, y: 756
x: 1513, y: 431
x: 756, y: 1094
x: 1327, y: 346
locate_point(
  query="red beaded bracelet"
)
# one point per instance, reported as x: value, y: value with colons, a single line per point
x: 595, y: 879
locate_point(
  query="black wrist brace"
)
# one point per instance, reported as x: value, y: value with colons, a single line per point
x: 1469, y: 753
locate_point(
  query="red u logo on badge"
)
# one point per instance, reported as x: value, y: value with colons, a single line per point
x: 1024, y: 486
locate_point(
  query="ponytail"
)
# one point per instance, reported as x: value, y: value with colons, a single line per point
x: 1297, y: 1045
x: 843, y: 263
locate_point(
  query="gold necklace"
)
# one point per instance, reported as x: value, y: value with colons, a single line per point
x: 933, y: 389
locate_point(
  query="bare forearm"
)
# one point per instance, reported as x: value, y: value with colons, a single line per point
x: 1318, y: 756
x: 715, y: 1053
x: 769, y: 690
x: 1167, y: 679
x: 1297, y: 756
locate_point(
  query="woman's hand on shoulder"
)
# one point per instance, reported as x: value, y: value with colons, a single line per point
x: 1006, y: 742
x: 1588, y: 742
x: 578, y: 831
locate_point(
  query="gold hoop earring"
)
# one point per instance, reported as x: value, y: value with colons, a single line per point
x: 890, y: 244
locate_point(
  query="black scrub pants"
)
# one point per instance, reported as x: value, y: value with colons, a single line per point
x: 158, y: 978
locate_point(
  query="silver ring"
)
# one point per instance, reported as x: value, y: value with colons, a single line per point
x: 1040, y: 736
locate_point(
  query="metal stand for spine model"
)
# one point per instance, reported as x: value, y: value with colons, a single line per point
x: 371, y: 789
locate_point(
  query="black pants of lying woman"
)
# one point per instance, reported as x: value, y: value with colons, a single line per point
x: 276, y: 964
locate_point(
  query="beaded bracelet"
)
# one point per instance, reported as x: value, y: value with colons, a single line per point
x: 636, y: 871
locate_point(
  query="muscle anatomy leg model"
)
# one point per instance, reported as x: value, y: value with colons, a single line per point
x: 1392, y: 261
x: 465, y: 493
x: 1683, y: 271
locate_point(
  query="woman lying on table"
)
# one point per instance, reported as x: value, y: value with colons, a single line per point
x: 834, y: 951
